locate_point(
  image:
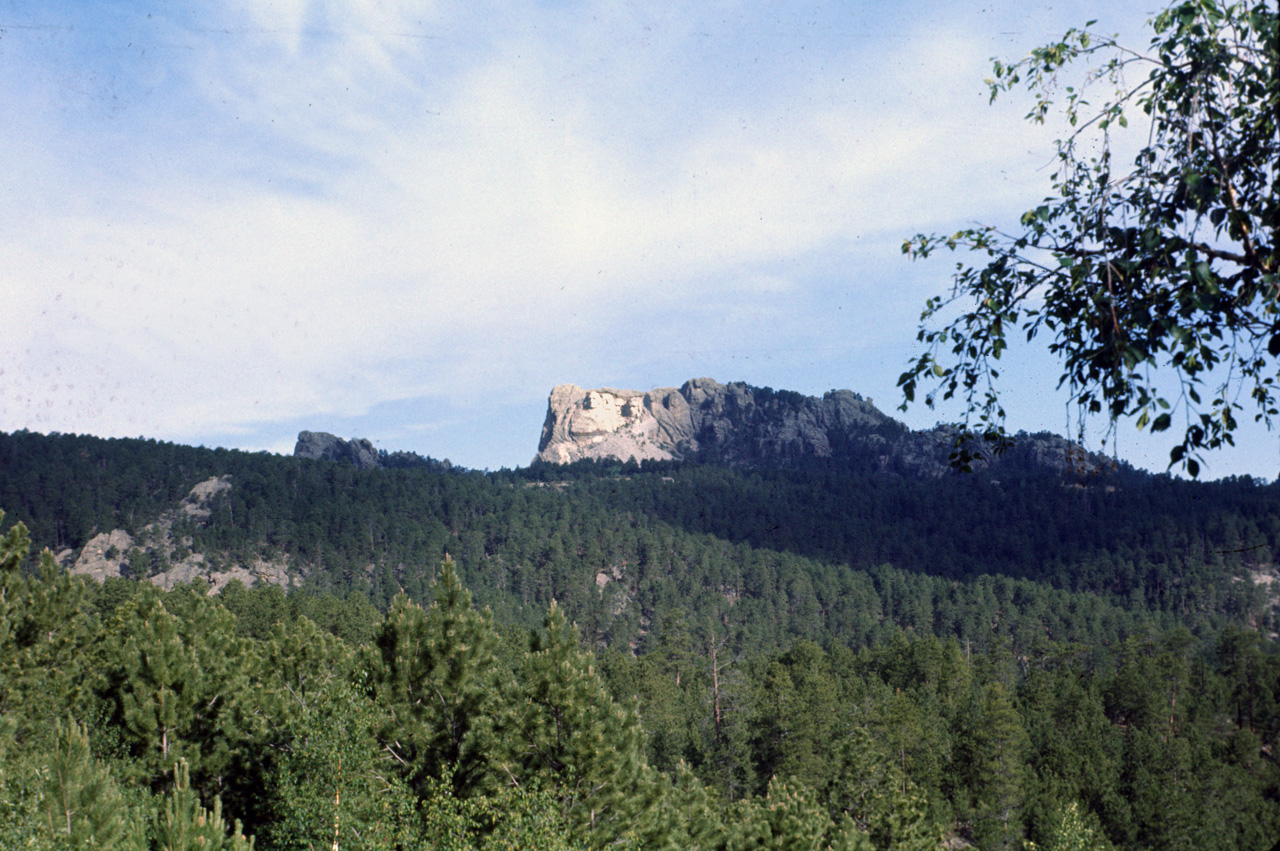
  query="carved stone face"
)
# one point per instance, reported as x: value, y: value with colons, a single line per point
x: 601, y: 413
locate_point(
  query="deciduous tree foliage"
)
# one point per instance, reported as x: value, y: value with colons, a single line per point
x: 330, y: 786
x: 1154, y: 278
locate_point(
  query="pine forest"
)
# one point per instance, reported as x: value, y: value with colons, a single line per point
x: 648, y: 656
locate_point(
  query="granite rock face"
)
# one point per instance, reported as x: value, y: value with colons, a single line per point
x: 165, y: 559
x: 324, y: 446
x: 740, y: 425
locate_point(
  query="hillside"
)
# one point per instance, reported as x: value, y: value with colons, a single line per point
x: 776, y: 554
x: 761, y: 657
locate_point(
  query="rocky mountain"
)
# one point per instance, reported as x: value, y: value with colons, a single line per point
x: 741, y: 425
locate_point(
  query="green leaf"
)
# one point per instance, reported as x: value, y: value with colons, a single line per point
x: 1164, y: 232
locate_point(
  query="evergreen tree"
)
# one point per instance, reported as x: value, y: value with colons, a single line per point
x: 170, y: 683
x: 691, y: 816
x: 183, y: 824
x: 798, y: 715
x: 43, y: 633
x: 868, y: 787
x: 570, y: 731
x: 435, y: 672
x: 81, y: 805
x: 790, y: 819
x: 992, y: 753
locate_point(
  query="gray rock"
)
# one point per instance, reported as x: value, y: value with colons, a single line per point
x: 324, y: 446
x: 741, y: 425
x: 108, y: 554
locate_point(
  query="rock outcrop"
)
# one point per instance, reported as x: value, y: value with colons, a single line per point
x: 359, y: 451
x: 741, y: 425
x: 165, y: 558
x: 324, y: 446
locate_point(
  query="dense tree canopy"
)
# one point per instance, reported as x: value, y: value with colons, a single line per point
x: 767, y: 680
x: 1155, y: 279
x: 1157, y: 742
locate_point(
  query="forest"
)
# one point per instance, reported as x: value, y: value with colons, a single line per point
x: 622, y: 655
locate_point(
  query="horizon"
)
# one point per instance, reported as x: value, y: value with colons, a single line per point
x: 289, y: 450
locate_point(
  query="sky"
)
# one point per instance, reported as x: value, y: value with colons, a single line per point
x: 225, y: 222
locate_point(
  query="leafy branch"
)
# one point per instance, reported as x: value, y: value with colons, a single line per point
x: 1156, y: 284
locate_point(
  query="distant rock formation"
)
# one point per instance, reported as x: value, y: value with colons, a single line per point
x: 324, y: 446
x: 359, y: 451
x: 740, y: 425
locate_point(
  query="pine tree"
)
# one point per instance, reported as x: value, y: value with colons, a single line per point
x: 691, y: 815
x: 790, y: 818
x: 170, y: 683
x: 81, y: 805
x: 795, y: 819
x: 43, y: 633
x: 183, y: 824
x: 435, y: 672
x: 799, y: 707
x: 570, y: 731
x: 992, y: 749
x: 868, y: 787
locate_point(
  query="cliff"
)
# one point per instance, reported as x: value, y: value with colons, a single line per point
x: 740, y: 425
x: 164, y: 556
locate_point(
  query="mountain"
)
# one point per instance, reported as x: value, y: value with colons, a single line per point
x: 949, y: 648
x: 740, y: 425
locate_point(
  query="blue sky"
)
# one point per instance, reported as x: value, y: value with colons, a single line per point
x: 226, y: 222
